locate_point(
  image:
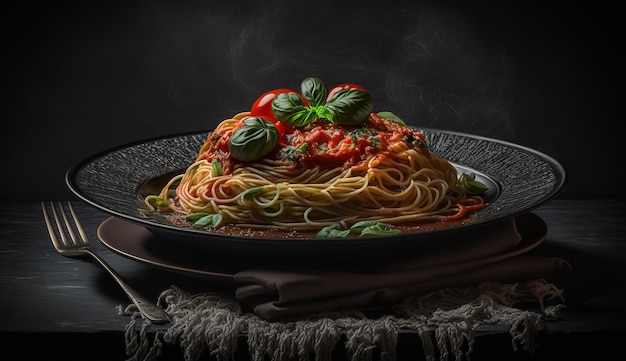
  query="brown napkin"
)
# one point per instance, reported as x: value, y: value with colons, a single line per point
x: 497, y: 253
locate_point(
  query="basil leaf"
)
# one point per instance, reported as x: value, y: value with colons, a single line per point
x: 363, y: 228
x: 209, y: 220
x: 255, y: 139
x: 289, y: 108
x: 332, y: 231
x: 472, y: 186
x: 349, y: 107
x: 314, y: 91
x: 216, y: 169
x: 378, y: 230
x: 372, y: 228
x: 195, y: 216
x: 358, y: 227
x: 391, y: 117
x: 303, y: 148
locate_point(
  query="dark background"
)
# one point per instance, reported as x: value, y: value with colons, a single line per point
x: 84, y: 77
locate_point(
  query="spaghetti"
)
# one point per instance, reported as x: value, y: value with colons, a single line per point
x: 321, y: 174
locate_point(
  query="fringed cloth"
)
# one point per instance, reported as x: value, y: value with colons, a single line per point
x: 445, y: 320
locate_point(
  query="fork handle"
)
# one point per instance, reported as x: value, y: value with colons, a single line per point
x: 148, y: 309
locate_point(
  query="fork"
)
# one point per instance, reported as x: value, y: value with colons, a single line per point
x: 72, y: 246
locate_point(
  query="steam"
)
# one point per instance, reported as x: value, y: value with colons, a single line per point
x: 429, y: 66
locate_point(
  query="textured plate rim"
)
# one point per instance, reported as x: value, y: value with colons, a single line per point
x: 557, y: 174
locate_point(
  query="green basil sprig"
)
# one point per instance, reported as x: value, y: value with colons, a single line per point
x: 290, y: 109
x: 216, y: 169
x: 205, y: 220
x: 255, y: 139
x: 363, y: 228
x: 347, y: 106
x: 333, y: 231
x: 471, y: 185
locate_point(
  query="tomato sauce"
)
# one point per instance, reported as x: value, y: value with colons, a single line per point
x: 326, y: 145
x: 331, y: 145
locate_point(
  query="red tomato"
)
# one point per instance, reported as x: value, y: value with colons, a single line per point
x: 339, y: 87
x: 262, y: 107
x: 283, y: 129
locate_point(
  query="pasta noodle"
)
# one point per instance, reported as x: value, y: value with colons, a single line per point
x: 380, y: 171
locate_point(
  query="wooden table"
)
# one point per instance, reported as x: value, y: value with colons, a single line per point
x: 48, y: 298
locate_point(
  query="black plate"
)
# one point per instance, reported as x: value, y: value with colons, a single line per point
x: 520, y: 179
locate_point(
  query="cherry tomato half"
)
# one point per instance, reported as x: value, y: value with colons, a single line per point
x: 262, y: 107
x: 339, y: 87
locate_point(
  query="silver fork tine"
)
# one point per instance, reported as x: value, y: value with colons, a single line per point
x: 81, y: 231
x: 66, y: 223
x: 53, y: 235
x: 78, y: 247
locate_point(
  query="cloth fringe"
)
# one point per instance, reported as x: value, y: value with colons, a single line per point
x: 445, y: 320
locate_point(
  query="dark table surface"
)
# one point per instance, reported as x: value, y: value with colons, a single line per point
x: 48, y: 298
